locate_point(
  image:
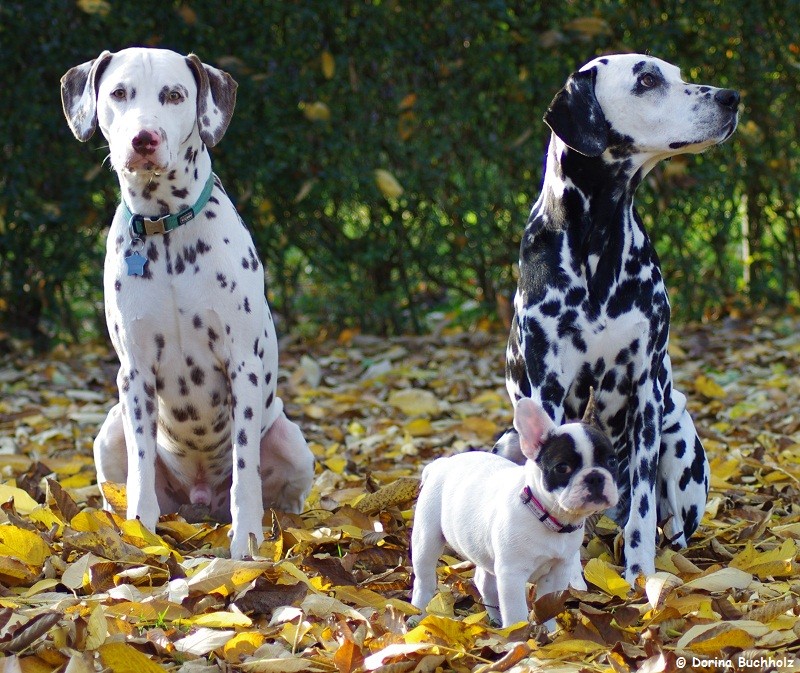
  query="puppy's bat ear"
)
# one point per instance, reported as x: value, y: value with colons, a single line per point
x: 533, y: 425
x: 576, y: 117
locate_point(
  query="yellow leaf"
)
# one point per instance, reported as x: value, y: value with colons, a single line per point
x: 570, y: 646
x: 224, y: 576
x: 23, y: 503
x: 419, y: 427
x: 188, y: 15
x: 96, y: 628
x: 773, y: 563
x: 44, y: 515
x: 101, y: 7
x: 122, y: 658
x: 95, y: 521
x: 115, y: 496
x: 590, y: 26
x: 243, y: 644
x: 409, y: 100
x: 328, y: 64
x: 16, y: 573
x: 448, y: 631
x: 23, y: 545
x: 482, y: 427
x: 305, y: 190
x: 316, y: 111
x: 605, y: 578
x: 709, y: 387
x: 712, y: 638
x: 135, y: 532
x: 721, y: 580
x: 415, y: 401
x: 361, y: 598
x: 217, y: 620
x: 400, y: 491
x: 336, y: 464
x: 442, y: 605
x: 387, y: 184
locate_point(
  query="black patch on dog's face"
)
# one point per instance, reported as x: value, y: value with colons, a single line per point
x: 559, y: 459
x: 604, y: 454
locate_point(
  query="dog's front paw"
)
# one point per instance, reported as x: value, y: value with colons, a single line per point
x: 146, y: 514
x: 245, y: 544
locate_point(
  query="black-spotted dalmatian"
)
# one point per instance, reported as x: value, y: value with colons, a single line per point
x: 591, y: 309
x: 198, y: 420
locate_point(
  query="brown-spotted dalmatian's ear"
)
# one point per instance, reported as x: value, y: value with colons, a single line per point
x: 216, y: 98
x: 576, y: 117
x: 79, y: 95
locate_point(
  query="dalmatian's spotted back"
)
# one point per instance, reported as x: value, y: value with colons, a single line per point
x: 199, y: 421
x: 591, y: 309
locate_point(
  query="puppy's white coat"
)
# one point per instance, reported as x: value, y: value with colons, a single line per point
x: 473, y: 502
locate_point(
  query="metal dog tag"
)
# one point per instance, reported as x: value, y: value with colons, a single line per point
x: 136, y: 264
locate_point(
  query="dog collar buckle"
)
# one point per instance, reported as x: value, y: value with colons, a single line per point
x: 530, y: 501
x: 141, y: 226
x: 152, y: 227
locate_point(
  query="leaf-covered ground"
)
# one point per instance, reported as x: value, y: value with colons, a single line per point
x: 83, y: 590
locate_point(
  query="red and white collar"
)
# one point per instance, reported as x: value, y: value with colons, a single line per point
x: 539, y: 511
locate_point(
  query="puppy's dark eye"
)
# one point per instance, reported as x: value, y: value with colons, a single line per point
x: 648, y: 81
x: 119, y: 94
x: 175, y: 96
x: 562, y: 468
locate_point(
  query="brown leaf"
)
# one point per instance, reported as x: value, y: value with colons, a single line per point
x: 25, y: 635
x: 330, y: 568
x: 64, y: 502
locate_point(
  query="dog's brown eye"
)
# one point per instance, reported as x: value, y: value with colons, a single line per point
x: 648, y: 81
x: 175, y: 96
x: 119, y: 94
x: 562, y: 468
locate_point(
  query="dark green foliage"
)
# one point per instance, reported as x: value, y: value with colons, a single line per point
x: 446, y: 96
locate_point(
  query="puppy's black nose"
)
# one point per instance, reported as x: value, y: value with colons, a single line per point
x: 595, y: 482
x: 728, y: 98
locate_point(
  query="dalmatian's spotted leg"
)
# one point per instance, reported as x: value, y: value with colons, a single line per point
x: 139, y: 413
x: 247, y: 508
x: 683, y: 473
x: 640, y: 542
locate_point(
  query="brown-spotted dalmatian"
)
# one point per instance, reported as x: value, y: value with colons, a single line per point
x: 591, y: 309
x: 199, y: 420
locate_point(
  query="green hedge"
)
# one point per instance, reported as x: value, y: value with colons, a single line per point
x: 448, y: 98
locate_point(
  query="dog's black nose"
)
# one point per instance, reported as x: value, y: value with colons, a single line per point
x: 728, y: 98
x: 595, y: 482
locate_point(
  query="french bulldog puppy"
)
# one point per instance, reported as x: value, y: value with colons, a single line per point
x: 516, y: 523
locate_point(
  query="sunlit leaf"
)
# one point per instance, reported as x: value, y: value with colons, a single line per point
x: 328, y: 64
x: 316, y: 111
x: 23, y: 545
x: 387, y: 184
x: 123, y: 658
x: 606, y: 578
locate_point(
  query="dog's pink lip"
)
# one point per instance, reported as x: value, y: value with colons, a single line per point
x: 140, y: 164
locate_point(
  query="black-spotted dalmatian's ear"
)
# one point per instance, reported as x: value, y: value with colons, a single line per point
x: 79, y: 95
x: 216, y: 98
x: 576, y: 117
